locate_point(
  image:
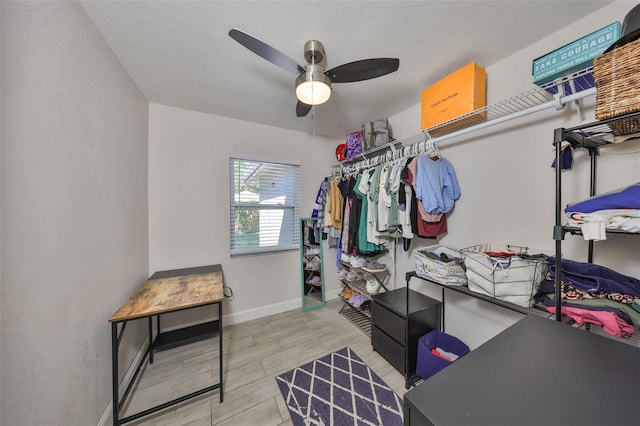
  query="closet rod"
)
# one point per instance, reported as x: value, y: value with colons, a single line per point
x: 423, y: 136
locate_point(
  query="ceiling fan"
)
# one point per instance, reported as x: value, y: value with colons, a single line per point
x: 313, y: 84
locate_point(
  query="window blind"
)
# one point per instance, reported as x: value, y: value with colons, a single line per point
x: 265, y: 205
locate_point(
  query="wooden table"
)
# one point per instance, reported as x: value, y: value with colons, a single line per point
x: 164, y: 292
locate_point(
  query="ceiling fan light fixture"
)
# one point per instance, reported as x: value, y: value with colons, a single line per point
x: 313, y: 87
x: 313, y: 83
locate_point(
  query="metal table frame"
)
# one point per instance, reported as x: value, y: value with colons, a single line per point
x: 165, y: 340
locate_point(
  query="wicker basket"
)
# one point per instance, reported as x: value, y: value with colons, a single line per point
x: 617, y: 77
x: 449, y: 273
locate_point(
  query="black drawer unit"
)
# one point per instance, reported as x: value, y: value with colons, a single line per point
x: 390, y: 349
x: 389, y: 335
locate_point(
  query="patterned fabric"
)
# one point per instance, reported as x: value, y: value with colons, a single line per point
x: 345, y: 227
x: 569, y: 292
x: 354, y: 145
x: 339, y: 389
x: 593, y: 278
x: 321, y: 201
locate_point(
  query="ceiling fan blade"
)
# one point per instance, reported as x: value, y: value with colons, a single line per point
x: 364, y: 69
x: 267, y: 52
x: 302, y: 109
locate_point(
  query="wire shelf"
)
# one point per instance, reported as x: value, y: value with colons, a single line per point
x: 556, y: 93
x: 568, y: 85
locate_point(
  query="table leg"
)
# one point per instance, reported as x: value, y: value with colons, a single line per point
x: 150, y: 348
x: 220, y: 337
x: 443, y: 304
x: 114, y: 371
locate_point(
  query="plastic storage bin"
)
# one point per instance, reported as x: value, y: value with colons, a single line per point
x: 428, y: 363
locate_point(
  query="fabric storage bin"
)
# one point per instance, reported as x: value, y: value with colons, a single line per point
x: 428, y: 363
x: 513, y: 279
x: 450, y: 273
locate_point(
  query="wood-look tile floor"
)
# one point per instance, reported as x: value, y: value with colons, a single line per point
x: 255, y: 352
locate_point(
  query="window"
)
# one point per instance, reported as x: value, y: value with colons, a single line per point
x: 264, y: 206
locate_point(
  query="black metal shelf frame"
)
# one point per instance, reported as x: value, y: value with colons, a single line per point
x: 589, y: 136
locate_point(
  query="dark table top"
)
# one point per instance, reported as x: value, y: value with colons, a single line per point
x: 536, y: 372
x: 396, y: 300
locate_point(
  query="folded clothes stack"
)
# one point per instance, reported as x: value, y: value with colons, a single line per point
x: 616, y: 210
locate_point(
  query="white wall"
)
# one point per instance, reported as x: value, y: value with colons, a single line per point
x: 189, y: 203
x: 505, y: 174
x: 74, y: 212
x: 508, y: 186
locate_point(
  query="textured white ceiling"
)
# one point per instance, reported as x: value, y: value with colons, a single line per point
x: 179, y: 52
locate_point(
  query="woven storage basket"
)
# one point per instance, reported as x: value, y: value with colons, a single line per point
x: 617, y: 77
x: 449, y: 273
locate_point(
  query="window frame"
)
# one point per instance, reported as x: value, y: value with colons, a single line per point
x: 293, y: 207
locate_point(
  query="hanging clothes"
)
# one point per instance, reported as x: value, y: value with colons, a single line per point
x: 426, y: 216
x: 402, y: 198
x: 335, y: 206
x: 436, y: 185
x: 321, y: 199
x: 364, y: 246
x: 421, y: 227
x: 346, y: 220
x: 354, y: 215
x: 393, y: 189
x: 333, y: 214
x: 405, y: 197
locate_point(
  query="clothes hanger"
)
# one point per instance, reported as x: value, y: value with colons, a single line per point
x: 433, y: 152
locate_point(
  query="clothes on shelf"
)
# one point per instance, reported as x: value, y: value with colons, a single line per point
x: 590, y: 277
x: 626, y: 198
x: 609, y: 322
x: 616, y: 210
x: 593, y: 294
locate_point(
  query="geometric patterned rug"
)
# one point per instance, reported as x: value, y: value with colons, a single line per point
x: 339, y: 389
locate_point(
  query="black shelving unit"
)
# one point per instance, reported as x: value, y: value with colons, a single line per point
x: 590, y: 137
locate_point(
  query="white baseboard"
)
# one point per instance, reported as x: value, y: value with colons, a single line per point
x: 107, y: 416
x: 262, y: 311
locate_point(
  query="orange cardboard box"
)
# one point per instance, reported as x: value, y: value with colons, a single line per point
x: 459, y: 93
